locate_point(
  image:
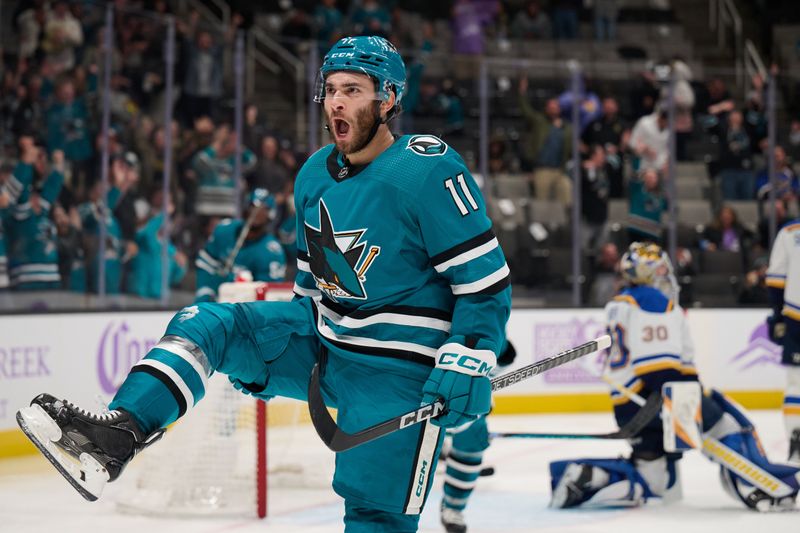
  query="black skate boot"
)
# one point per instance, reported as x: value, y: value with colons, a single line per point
x: 794, y: 447
x: 89, y: 450
x: 452, y: 520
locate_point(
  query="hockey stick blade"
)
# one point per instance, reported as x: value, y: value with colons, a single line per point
x: 635, y: 425
x: 339, y: 441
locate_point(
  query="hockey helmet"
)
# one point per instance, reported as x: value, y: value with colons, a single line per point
x: 370, y: 55
x: 646, y: 263
x: 260, y: 197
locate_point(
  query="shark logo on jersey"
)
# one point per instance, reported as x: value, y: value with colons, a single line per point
x: 427, y: 145
x: 336, y: 258
x: 188, y: 313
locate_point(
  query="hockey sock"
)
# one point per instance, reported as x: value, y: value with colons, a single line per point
x: 162, y: 386
x: 791, y: 400
x: 463, y: 470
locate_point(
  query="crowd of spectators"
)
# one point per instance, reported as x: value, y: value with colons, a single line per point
x: 52, y: 201
x: 51, y: 137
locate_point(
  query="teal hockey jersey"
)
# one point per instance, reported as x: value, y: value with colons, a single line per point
x: 398, y: 255
x: 33, y: 256
x: 263, y: 257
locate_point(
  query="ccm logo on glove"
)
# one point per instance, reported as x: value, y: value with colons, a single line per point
x: 473, y: 362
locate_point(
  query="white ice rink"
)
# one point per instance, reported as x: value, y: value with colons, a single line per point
x: 34, y: 498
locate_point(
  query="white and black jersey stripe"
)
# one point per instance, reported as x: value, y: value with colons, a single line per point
x: 389, y: 315
x: 469, y: 250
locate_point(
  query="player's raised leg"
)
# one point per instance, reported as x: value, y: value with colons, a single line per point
x: 240, y: 340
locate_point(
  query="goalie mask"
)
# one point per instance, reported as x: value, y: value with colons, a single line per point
x: 646, y: 263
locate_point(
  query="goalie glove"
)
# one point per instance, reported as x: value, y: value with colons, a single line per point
x: 460, y: 378
x: 776, y: 328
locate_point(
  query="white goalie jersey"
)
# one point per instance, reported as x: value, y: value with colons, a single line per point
x: 650, y: 340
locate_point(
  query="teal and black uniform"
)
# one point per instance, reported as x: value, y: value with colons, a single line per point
x: 263, y: 257
x: 397, y: 265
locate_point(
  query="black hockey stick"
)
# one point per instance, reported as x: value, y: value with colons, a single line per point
x: 635, y: 425
x: 339, y: 441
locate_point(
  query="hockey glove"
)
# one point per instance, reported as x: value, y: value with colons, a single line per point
x: 509, y: 354
x: 253, y: 389
x: 776, y: 329
x: 461, y: 380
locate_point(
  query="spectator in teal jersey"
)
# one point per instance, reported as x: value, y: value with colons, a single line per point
x: 327, y: 24
x: 5, y: 203
x: 647, y: 203
x: 213, y: 168
x: 68, y: 125
x: 371, y: 19
x: 260, y: 254
x: 33, y: 256
x: 146, y: 267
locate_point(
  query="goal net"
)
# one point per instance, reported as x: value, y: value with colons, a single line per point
x: 231, y: 450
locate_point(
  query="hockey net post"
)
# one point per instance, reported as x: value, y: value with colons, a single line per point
x: 214, y: 461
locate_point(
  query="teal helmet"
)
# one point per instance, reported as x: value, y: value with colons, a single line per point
x: 370, y: 55
x: 261, y: 197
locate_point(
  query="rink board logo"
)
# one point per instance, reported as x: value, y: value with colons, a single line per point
x: 427, y: 145
x: 760, y: 351
x: 555, y: 337
x: 339, y: 260
x: 118, y: 350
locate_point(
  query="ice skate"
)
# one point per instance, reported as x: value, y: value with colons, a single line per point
x: 89, y: 450
x: 453, y: 520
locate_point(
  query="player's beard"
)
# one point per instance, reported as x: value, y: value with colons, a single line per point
x: 364, y: 120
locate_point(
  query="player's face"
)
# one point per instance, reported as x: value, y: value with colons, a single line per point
x: 350, y: 108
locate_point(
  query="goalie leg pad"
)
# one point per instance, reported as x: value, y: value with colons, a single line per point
x: 610, y: 482
x: 748, y: 476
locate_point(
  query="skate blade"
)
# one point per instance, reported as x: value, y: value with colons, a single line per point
x: 85, y: 474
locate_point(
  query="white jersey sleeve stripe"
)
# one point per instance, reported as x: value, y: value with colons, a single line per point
x: 481, y: 284
x: 469, y: 255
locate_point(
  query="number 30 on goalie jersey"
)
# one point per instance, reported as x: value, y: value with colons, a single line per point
x: 651, y: 343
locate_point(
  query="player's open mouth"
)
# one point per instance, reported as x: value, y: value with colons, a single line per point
x: 340, y: 128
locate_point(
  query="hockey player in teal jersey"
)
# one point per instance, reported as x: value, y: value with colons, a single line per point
x: 402, y: 297
x: 33, y: 258
x: 260, y: 253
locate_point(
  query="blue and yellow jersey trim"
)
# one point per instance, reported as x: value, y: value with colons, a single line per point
x: 656, y: 363
x: 791, y: 311
x: 776, y: 281
x: 635, y: 385
x: 791, y: 405
x: 627, y: 298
